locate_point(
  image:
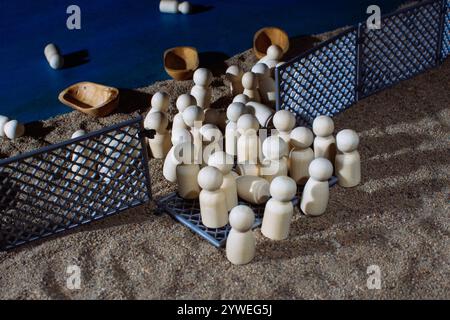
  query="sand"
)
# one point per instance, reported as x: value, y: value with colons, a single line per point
x: 397, y: 219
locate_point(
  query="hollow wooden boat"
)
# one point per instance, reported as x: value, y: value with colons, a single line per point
x: 181, y: 62
x: 266, y: 37
x: 91, y: 98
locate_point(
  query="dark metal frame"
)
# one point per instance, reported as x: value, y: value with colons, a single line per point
x: 30, y: 207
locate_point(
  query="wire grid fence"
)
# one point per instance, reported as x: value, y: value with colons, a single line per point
x: 188, y: 213
x: 72, y: 183
x: 359, y: 62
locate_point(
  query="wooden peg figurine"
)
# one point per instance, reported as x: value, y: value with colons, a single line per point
x: 53, y: 55
x: 317, y: 191
x: 324, y: 143
x: 266, y: 85
x: 224, y: 162
x: 183, y: 101
x: 241, y: 243
x: 248, y: 144
x: 213, y: 207
x: 3, y: 121
x: 250, y: 84
x: 201, y: 90
x: 301, y: 155
x: 284, y: 121
x: 179, y: 136
x: 212, y: 141
x: 193, y: 117
x: 160, y: 144
x: 234, y: 75
x: 263, y: 113
x: 160, y: 102
x: 279, y: 209
x: 242, y: 98
x: 275, y: 163
x: 80, y: 157
x: 13, y: 129
x: 348, y: 161
x: 234, y: 111
x: 252, y: 189
x: 187, y: 171
x: 273, y: 57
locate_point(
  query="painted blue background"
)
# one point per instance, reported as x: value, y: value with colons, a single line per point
x: 126, y: 40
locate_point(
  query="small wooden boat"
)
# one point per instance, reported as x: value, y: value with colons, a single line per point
x: 181, y: 62
x: 266, y: 37
x: 91, y: 98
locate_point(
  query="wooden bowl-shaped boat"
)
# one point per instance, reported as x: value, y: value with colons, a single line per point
x: 91, y: 98
x: 266, y: 37
x: 181, y: 62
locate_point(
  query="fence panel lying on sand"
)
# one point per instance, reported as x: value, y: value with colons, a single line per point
x: 65, y: 185
x: 359, y: 62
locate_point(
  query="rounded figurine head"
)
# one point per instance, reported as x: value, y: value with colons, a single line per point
x: 261, y: 69
x: 283, y: 188
x: 242, y: 98
x: 211, y: 133
x: 320, y: 169
x: 235, y: 110
x: 234, y: 72
x: 301, y: 137
x: 284, y: 120
x: 78, y: 133
x: 13, y: 129
x: 249, y: 80
x: 157, y: 121
x: 193, y: 114
x: 184, y: 101
x: 323, y: 126
x: 203, y: 77
x: 347, y: 140
x: 247, y: 122
x: 222, y: 161
x: 242, y: 218
x: 210, y: 178
x: 274, y: 148
x: 185, y: 7
x: 180, y: 136
x: 160, y: 102
x: 274, y: 52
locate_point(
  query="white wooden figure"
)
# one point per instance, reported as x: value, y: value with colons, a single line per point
x: 284, y: 121
x: 241, y: 243
x: 279, y: 209
x: 317, y: 191
x: 275, y: 162
x: 248, y: 144
x: 53, y: 55
x: 263, y: 113
x: 324, y: 143
x: 194, y: 117
x: 187, y: 172
x: 179, y: 136
x: 201, y: 90
x: 301, y: 155
x: 348, y: 161
x: 80, y: 157
x: 234, y: 111
x: 266, y: 85
x: 212, y: 141
x: 242, y: 98
x: 183, y: 101
x: 160, y: 144
x: 234, y: 74
x: 250, y: 84
x: 3, y: 121
x: 213, y: 206
x: 273, y: 57
x: 255, y: 190
x: 160, y: 102
x: 224, y: 162
x: 13, y: 129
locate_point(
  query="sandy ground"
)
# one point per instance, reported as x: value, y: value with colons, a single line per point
x: 397, y: 219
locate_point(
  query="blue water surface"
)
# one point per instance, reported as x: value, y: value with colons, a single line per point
x: 125, y: 40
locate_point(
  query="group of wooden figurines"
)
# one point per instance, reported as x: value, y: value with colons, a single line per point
x: 247, y: 162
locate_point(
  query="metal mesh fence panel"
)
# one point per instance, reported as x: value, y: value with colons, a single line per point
x: 72, y: 183
x: 446, y: 33
x: 406, y: 45
x: 321, y: 81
